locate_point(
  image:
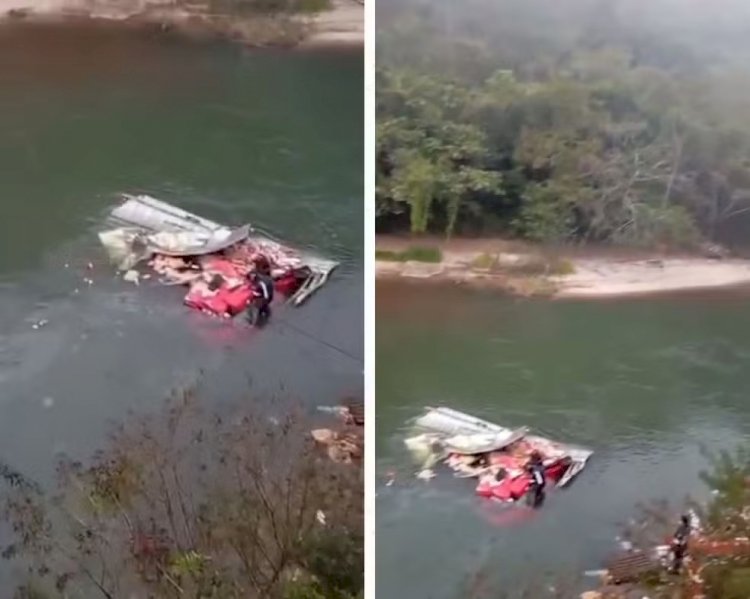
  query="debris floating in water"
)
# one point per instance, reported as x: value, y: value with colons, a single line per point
x: 323, y: 435
x: 211, y: 260
x: 343, y: 448
x: 39, y: 324
x: 132, y: 276
x: 426, y: 474
x: 351, y: 412
x: 499, y: 458
x: 338, y: 410
x: 48, y: 402
x: 321, y: 517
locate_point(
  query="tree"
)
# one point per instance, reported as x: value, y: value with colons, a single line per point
x: 587, y: 123
x: 193, y: 505
x: 428, y: 154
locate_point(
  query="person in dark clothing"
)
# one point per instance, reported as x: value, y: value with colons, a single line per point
x: 260, y: 306
x: 679, y: 543
x: 262, y: 265
x: 215, y: 283
x: 538, y: 480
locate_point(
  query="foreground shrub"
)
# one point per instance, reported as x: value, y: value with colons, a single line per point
x: 188, y: 504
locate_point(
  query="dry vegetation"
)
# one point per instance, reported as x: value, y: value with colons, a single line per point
x: 193, y: 505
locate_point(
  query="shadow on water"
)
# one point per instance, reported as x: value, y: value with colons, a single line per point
x: 646, y: 384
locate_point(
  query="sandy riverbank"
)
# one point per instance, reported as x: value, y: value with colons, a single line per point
x: 527, y: 270
x: 343, y: 25
x: 601, y: 278
x: 340, y: 26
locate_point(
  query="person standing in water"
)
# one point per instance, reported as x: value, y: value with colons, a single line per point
x: 538, y: 480
x: 262, y: 286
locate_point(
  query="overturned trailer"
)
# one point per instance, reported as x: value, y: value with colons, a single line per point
x: 145, y: 228
x: 495, y: 455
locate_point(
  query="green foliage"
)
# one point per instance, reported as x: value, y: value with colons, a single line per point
x: 562, y: 267
x: 669, y: 225
x: 726, y: 574
x: 334, y: 558
x: 728, y: 581
x: 415, y: 181
x: 189, y: 563
x: 312, y: 590
x: 30, y: 592
x: 414, y: 253
x: 430, y: 159
x: 485, y: 262
x: 728, y: 476
x: 544, y: 215
x: 303, y: 590
x: 500, y: 119
x: 388, y: 256
x: 423, y: 254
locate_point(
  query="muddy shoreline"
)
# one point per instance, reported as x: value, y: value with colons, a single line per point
x: 562, y: 272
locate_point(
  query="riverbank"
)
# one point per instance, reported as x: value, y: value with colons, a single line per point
x: 343, y: 25
x: 340, y: 25
x: 560, y: 273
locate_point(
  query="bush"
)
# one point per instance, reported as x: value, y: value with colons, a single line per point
x: 544, y: 215
x: 416, y: 253
x: 423, y: 254
x: 562, y: 267
x: 671, y: 226
x: 728, y: 581
x: 532, y: 265
x: 484, y: 262
x: 387, y: 256
x: 191, y: 504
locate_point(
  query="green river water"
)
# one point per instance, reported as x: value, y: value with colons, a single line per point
x: 272, y: 137
x: 647, y: 384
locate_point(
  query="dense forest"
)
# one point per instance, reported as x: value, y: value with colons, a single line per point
x: 574, y: 121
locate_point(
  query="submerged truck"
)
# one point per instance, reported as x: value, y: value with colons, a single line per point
x: 186, y: 249
x: 495, y: 455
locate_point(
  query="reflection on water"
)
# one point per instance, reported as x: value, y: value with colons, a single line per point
x: 646, y: 384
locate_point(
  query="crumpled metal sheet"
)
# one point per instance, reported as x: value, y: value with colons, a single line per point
x: 148, y: 225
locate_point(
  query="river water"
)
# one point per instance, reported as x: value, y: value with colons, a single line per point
x: 274, y: 138
x: 647, y: 384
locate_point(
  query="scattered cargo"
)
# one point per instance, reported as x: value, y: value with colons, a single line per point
x: 213, y: 261
x: 497, y: 456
